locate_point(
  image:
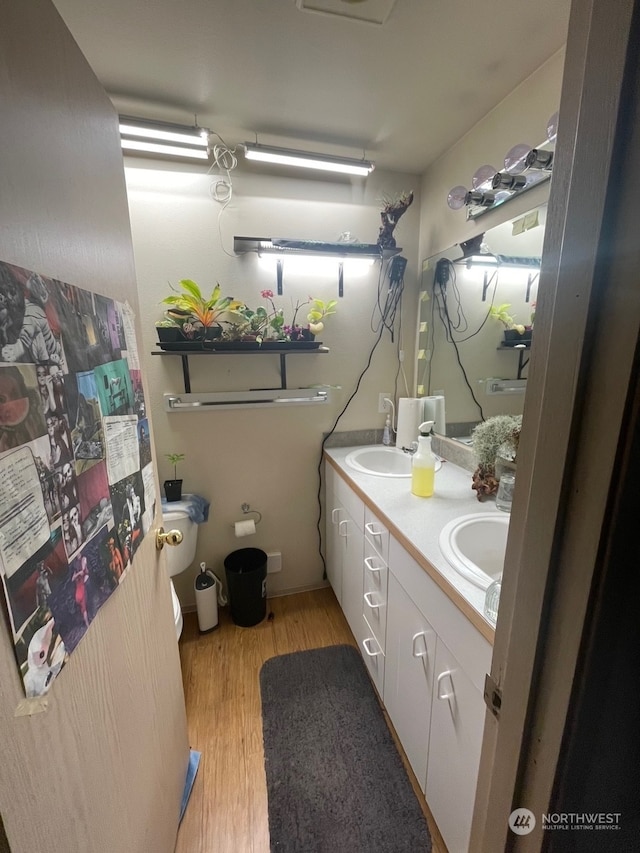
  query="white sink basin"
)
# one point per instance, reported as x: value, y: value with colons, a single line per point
x: 474, y: 545
x: 381, y: 461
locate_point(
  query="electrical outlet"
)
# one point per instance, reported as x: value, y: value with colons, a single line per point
x: 274, y: 562
x: 383, y: 407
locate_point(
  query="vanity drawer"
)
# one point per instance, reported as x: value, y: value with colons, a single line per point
x: 374, y: 603
x: 373, y: 657
x: 376, y: 533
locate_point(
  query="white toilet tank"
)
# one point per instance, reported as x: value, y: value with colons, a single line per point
x: 180, y: 557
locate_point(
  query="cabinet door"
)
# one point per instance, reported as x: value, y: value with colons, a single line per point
x: 457, y: 722
x: 351, y: 548
x: 333, y: 552
x: 409, y: 671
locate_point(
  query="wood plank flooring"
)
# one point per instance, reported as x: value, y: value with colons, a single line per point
x: 227, y: 812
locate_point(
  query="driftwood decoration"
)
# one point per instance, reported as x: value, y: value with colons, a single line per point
x: 390, y: 214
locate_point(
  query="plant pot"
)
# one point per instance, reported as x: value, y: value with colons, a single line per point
x: 173, y: 490
x: 169, y: 334
x: 513, y: 337
x: 210, y: 333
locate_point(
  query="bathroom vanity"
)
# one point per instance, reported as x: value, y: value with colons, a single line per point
x: 418, y: 623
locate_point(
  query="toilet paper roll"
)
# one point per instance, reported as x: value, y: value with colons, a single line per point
x: 409, y: 419
x: 245, y: 528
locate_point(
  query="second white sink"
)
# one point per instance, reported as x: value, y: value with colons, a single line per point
x: 474, y: 545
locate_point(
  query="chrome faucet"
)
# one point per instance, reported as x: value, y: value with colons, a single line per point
x: 411, y: 449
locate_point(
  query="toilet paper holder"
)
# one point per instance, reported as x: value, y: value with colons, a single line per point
x: 246, y: 510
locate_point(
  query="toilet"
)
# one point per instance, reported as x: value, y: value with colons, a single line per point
x: 179, y: 557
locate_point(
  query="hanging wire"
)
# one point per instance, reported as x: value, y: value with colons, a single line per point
x: 445, y: 279
x: 221, y: 190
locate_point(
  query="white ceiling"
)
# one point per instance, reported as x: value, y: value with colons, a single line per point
x: 401, y: 93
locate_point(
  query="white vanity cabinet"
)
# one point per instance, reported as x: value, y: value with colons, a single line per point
x: 408, y: 687
x: 425, y: 657
x: 345, y: 549
x: 444, y: 734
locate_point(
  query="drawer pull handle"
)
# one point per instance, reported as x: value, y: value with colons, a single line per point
x: 334, y: 515
x: 416, y: 653
x: 369, y: 527
x: 341, y: 528
x: 446, y: 674
x: 372, y: 654
x: 367, y: 562
x: 367, y: 598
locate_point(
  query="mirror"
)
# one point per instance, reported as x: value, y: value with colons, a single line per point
x: 462, y: 352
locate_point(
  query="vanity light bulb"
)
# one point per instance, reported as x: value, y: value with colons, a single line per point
x: 552, y: 126
x: 483, y: 177
x: 515, y: 157
x: 457, y: 197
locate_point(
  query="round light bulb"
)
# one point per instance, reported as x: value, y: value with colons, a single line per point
x: 457, y: 197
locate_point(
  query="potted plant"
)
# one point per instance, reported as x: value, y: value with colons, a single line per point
x: 198, y: 316
x: 173, y: 488
x: 495, y: 443
x: 169, y: 331
x: 319, y: 311
x: 272, y: 322
x: 514, y: 333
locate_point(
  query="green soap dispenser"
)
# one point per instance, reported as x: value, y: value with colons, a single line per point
x: 423, y: 464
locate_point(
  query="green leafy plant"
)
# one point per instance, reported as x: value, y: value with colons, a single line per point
x: 319, y: 311
x: 496, y: 437
x: 501, y: 314
x: 192, y: 306
x: 174, y: 458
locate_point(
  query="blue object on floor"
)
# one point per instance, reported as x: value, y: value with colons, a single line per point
x: 195, y: 506
x: 192, y: 769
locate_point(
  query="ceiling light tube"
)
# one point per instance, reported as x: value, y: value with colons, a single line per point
x: 307, y: 159
x: 158, y: 148
x: 173, y: 140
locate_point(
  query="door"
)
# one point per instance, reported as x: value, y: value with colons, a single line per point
x: 409, y: 670
x: 585, y: 355
x: 99, y: 763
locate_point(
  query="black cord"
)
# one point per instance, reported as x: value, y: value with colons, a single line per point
x: 445, y: 277
x: 387, y: 312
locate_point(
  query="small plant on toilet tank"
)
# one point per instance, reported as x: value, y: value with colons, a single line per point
x: 173, y: 488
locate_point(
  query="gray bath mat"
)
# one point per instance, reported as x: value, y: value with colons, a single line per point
x: 335, y: 780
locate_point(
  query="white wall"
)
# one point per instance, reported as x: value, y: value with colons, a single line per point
x: 521, y: 117
x: 267, y: 458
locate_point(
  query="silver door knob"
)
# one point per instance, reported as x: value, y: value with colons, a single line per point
x: 171, y: 537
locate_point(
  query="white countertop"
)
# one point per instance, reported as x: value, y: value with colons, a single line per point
x: 418, y: 521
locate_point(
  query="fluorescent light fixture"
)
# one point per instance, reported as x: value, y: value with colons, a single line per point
x: 172, y: 140
x: 316, y: 265
x: 307, y: 159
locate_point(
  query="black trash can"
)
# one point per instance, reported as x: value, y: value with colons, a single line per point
x: 246, y: 571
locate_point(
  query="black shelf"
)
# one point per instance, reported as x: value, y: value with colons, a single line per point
x: 281, y: 352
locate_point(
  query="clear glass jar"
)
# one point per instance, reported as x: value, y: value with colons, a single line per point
x: 506, y: 486
x: 492, y: 601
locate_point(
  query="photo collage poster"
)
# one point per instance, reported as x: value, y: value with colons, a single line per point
x: 77, y: 492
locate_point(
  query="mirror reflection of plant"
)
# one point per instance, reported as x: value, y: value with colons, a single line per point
x: 501, y: 314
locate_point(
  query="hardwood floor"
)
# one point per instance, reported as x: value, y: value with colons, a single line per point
x: 227, y: 812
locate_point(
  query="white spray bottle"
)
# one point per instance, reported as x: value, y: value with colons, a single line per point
x: 423, y: 464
